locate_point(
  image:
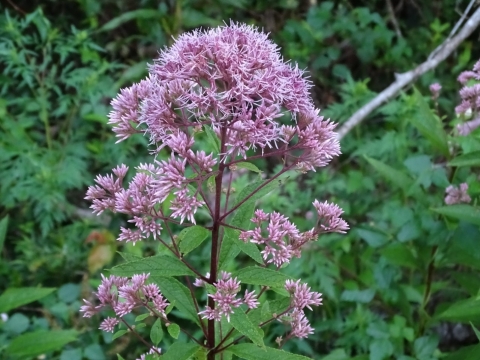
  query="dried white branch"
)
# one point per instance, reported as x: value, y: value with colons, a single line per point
x: 402, y: 80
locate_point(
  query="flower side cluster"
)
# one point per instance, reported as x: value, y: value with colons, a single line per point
x: 123, y: 295
x: 226, y: 298
x: 282, y: 240
x: 470, y: 94
x: 456, y: 195
x: 301, y: 298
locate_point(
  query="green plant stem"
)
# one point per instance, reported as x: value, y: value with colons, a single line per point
x: 132, y: 330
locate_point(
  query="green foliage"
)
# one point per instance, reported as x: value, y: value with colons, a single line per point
x: 58, y: 75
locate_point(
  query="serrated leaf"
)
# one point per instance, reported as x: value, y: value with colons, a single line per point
x: 360, y: 296
x: 463, y: 212
x: 248, y: 166
x: 475, y: 330
x: 177, y: 293
x: 242, y: 323
x: 119, y: 333
x: 252, y: 352
x: 212, y: 139
x: 257, y: 190
x: 255, y: 275
x: 462, y: 311
x: 40, y: 342
x: 470, y: 159
x: 191, y: 237
x: 141, y: 317
x: 128, y: 16
x: 465, y: 353
x: 156, y: 332
x: 395, y: 176
x: 429, y: 125
x: 181, y: 351
x: 159, y: 265
x: 173, y: 330
x: 248, y: 248
x: 3, y: 231
x: 15, y: 297
x: 128, y: 257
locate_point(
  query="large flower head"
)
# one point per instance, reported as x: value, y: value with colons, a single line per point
x: 233, y: 79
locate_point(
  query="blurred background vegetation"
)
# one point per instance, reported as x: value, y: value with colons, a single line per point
x: 389, y: 284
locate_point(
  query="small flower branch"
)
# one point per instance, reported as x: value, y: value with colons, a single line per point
x: 219, y: 349
x: 283, y: 171
x: 137, y: 335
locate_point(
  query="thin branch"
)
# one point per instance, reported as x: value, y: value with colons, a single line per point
x: 454, y: 30
x: 393, y: 19
x: 409, y: 77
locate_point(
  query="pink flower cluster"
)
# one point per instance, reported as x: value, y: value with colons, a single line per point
x: 301, y: 297
x: 123, y: 295
x: 470, y: 94
x: 233, y: 79
x: 456, y: 195
x: 281, y: 238
x: 226, y: 298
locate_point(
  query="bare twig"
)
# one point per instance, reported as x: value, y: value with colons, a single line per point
x: 393, y: 19
x: 407, y: 78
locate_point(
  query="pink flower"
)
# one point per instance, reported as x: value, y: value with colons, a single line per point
x: 109, y: 324
x: 329, y: 219
x: 226, y: 298
x: 435, y: 90
x: 301, y: 297
x: 457, y: 195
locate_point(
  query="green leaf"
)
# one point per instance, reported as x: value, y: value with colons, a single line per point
x: 252, y: 352
x: 142, y: 317
x: 248, y: 166
x: 120, y: 357
x: 242, y: 323
x: 177, y: 293
x: 119, y: 333
x: 429, y: 125
x: 465, y: 353
x: 40, y: 342
x: 424, y: 346
x: 477, y: 332
x: 380, y: 349
x: 212, y: 139
x: 15, y: 297
x: 181, y: 351
x: 396, y: 177
x: 159, y: 265
x: 3, y: 231
x: 255, y: 275
x: 128, y: 16
x: 173, y: 330
x: 463, y: 212
x: 470, y: 159
x: 248, y: 248
x: 156, y: 332
x: 191, y: 237
x: 360, y: 296
x: 399, y: 254
x: 462, y: 311
x: 128, y: 257
x: 250, y: 191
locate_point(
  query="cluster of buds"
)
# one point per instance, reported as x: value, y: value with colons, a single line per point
x: 456, y: 195
x: 226, y: 298
x: 123, y: 295
x: 301, y: 298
